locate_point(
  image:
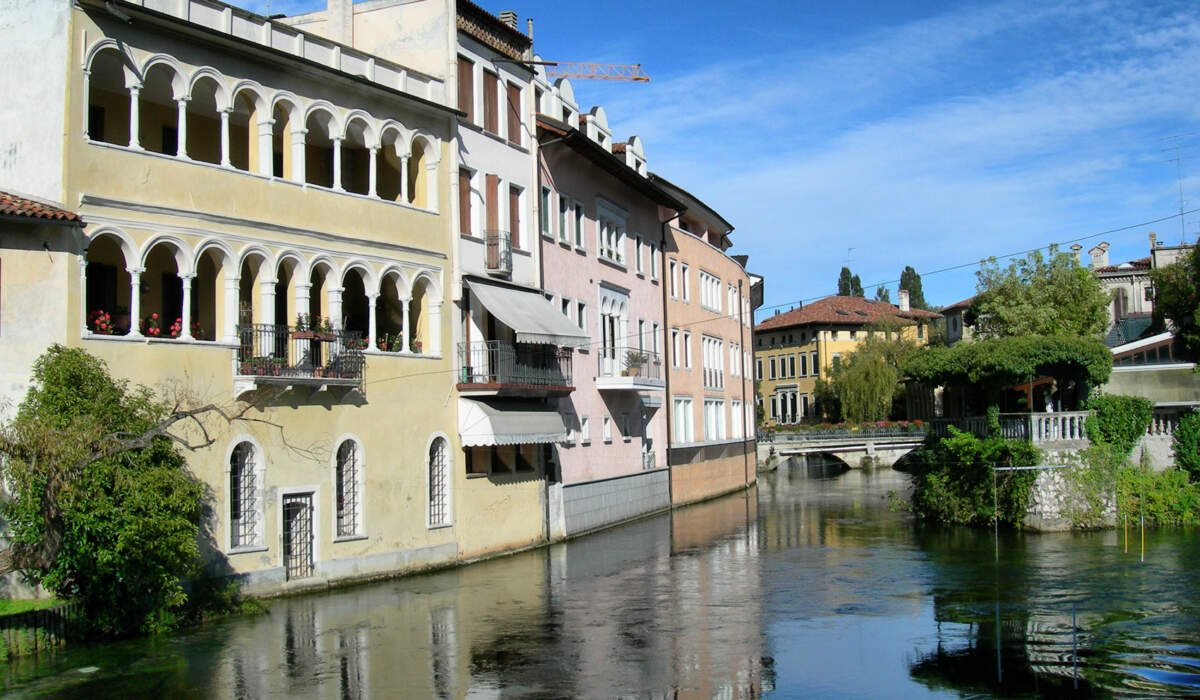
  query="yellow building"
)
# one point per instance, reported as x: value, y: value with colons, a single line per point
x: 266, y: 217
x: 792, y: 350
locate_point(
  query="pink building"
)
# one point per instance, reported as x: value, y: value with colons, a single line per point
x: 601, y: 244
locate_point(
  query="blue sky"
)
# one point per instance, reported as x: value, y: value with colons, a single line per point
x: 881, y: 135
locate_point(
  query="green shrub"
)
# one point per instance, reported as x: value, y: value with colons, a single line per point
x: 1119, y: 421
x: 952, y: 479
x: 1165, y: 498
x: 1185, y: 444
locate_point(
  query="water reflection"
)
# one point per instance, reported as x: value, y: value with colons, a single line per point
x: 807, y: 586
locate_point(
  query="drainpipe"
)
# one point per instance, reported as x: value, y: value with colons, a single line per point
x: 668, y: 405
x: 742, y: 362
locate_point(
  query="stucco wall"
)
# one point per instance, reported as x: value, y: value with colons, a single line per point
x: 700, y: 480
x: 1160, y: 384
x: 596, y: 504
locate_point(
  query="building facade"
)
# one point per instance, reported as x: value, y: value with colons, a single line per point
x: 794, y: 349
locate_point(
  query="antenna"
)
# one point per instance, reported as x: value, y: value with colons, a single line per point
x: 1176, y: 144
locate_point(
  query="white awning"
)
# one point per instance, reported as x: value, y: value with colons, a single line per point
x: 481, y: 424
x: 529, y: 314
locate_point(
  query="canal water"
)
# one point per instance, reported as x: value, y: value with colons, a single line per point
x: 808, y: 586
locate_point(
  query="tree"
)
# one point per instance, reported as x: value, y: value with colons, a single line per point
x: 844, y: 283
x: 882, y: 294
x: 101, y: 507
x: 1036, y: 296
x: 867, y: 381
x: 856, y: 288
x: 911, y: 282
x: 1177, y: 298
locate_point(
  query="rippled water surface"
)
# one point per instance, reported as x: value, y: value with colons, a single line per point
x: 808, y: 586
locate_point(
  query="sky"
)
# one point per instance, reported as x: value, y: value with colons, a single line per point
x: 879, y: 135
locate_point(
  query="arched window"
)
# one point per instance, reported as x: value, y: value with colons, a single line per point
x: 108, y: 99
x: 348, y: 472
x: 244, y: 530
x: 108, y: 287
x: 439, y: 483
x: 203, y: 123
x: 418, y: 179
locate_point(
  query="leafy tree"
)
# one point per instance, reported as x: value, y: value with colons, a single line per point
x: 1185, y: 445
x: 1118, y: 421
x: 867, y: 381
x: 882, y: 294
x: 101, y: 507
x: 856, y: 288
x: 1177, y: 298
x: 1039, y: 296
x: 953, y: 480
x: 911, y: 281
x: 844, y: 283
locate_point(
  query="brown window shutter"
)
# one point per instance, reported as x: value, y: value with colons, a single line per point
x: 491, y: 108
x: 514, y: 215
x: 514, y: 114
x: 464, y: 201
x: 492, y: 204
x: 466, y: 87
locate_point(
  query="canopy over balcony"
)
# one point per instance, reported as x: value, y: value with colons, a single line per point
x: 532, y: 318
x: 483, y: 424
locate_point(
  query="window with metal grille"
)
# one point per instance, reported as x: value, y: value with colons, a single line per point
x: 439, y: 479
x: 347, y: 488
x: 243, y: 497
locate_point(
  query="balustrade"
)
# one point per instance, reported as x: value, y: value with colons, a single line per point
x: 268, y: 350
x: 495, y: 362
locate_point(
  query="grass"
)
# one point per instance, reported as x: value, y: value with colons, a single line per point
x: 12, y: 607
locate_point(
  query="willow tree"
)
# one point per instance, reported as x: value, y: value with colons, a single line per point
x: 868, y: 380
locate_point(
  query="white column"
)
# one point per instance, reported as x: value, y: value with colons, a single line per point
x: 232, y: 287
x: 434, y: 324
x: 225, y: 138
x: 83, y: 263
x: 266, y: 292
x: 302, y: 297
x: 371, y: 299
x: 404, y: 179
x: 86, y: 99
x: 181, y: 128
x: 406, y: 330
x: 372, y: 173
x: 134, y: 139
x: 335, y: 307
x: 266, y: 147
x: 337, y: 165
x: 297, y: 137
x: 135, y: 300
x: 185, y: 333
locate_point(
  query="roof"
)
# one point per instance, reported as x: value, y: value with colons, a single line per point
x: 620, y: 147
x: 12, y: 205
x: 576, y: 139
x: 843, y: 310
x: 679, y: 191
x: 1128, y: 329
x: 964, y: 304
x: 491, y: 30
x: 1139, y: 264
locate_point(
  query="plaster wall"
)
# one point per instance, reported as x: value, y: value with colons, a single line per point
x: 1159, y: 383
x: 32, y: 112
x: 596, y: 504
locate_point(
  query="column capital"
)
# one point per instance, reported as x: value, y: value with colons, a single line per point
x: 187, y: 276
x: 135, y: 270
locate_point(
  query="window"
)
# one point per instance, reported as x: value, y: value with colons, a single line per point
x: 491, y: 98
x: 243, y: 497
x: 653, y: 261
x: 734, y: 358
x: 710, y: 292
x: 641, y: 339
x: 514, y: 216
x: 920, y: 331
x: 803, y: 405
x: 683, y: 276
x: 612, y: 240
x: 758, y: 375
x: 676, y: 350
x: 565, y: 305
x: 736, y: 418
x: 585, y: 431
x: 464, y: 201
x: 687, y: 349
x: 654, y: 342
x: 673, y: 270
x: 347, y: 477
x: 544, y: 213
x: 569, y: 422
x: 466, y: 87
x: 581, y: 315
x: 626, y: 433
x: 564, y: 219
x: 812, y: 358
x: 853, y: 335
x: 439, y: 483
x: 637, y: 253
x: 579, y: 241
x: 803, y: 365
x: 606, y: 429
x: 684, y: 420
x: 712, y: 359
x: 774, y: 406
x: 771, y: 366
x: 792, y: 366
x: 714, y: 419
x: 514, y: 114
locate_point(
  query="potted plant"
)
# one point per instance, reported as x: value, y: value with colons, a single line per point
x: 634, y: 361
x: 150, y: 326
x: 100, y: 323
x: 305, y: 327
x: 415, y: 346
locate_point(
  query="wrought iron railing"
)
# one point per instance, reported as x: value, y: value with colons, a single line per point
x: 630, y: 363
x: 268, y: 350
x: 498, y: 246
x: 496, y: 362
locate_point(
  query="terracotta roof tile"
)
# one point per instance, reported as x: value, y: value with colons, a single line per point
x: 959, y: 305
x: 12, y: 205
x: 843, y: 310
x: 620, y: 147
x: 1139, y: 264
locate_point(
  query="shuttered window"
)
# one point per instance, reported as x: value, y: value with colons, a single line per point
x: 514, y: 114
x: 464, y: 201
x: 466, y: 87
x: 514, y: 215
x: 491, y: 107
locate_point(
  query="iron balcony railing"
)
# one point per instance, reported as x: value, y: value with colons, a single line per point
x: 268, y: 350
x: 630, y: 363
x: 499, y: 251
x: 495, y: 362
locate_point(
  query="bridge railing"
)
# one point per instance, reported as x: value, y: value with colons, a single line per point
x: 917, y: 432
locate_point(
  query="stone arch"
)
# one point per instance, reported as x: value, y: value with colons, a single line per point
x: 179, y: 82
x: 424, y: 314
x: 321, y: 127
x: 107, y: 297
x: 158, y: 115
x: 249, y: 116
x: 347, y: 466
x: 212, y: 292
x: 109, y: 74
x: 221, y: 91
x: 253, y: 268
x: 358, y: 138
x: 421, y: 183
x: 389, y: 310
x: 207, y: 99
x: 289, y: 266
x: 287, y: 152
x: 165, y: 289
x: 390, y: 161
x: 183, y: 253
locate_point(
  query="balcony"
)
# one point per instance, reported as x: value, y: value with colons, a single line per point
x: 283, y: 356
x: 498, y: 368
x: 498, y: 253
x: 630, y: 370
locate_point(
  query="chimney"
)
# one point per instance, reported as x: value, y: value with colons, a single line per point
x: 528, y: 27
x: 1153, y: 240
x: 1099, y: 255
x: 340, y: 15
x: 776, y: 312
x: 510, y: 18
x: 1078, y: 252
x: 903, y: 299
